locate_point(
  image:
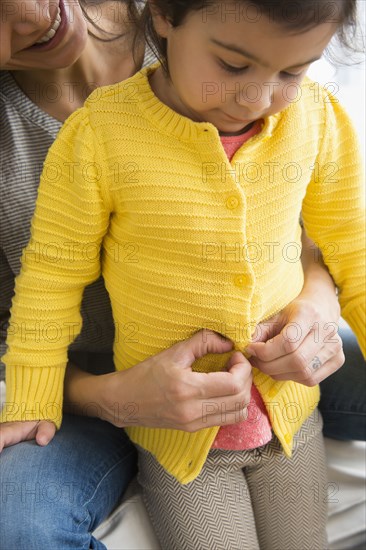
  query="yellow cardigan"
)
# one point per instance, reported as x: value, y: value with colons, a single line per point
x: 188, y: 240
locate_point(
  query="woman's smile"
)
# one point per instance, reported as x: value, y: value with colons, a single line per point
x: 55, y: 32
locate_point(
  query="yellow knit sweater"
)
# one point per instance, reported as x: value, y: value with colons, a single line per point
x: 188, y: 240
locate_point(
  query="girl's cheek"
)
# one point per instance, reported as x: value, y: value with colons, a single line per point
x: 291, y: 92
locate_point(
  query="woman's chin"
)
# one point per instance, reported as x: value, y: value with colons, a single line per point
x: 61, y: 58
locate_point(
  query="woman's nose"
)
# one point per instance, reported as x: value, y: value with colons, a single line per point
x: 29, y: 16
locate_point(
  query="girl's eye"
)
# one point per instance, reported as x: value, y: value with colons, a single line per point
x: 289, y: 75
x: 230, y: 68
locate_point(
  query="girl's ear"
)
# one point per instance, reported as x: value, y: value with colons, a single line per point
x: 161, y: 24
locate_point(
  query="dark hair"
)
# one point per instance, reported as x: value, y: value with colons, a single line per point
x: 124, y: 25
x: 294, y: 15
x: 126, y: 20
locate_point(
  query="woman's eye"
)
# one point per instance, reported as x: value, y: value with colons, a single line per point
x: 230, y: 68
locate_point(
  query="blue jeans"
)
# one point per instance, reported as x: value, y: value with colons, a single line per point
x: 55, y: 496
x: 343, y: 396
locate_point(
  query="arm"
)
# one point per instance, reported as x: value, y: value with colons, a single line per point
x: 293, y: 344
x: 162, y: 391
x: 70, y: 215
x: 333, y: 213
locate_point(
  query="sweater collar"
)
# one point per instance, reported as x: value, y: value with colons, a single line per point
x: 171, y: 122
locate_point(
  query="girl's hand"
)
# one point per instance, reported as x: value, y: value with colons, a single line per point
x: 12, y: 433
x: 164, y: 392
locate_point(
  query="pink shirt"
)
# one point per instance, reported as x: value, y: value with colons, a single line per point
x: 255, y: 431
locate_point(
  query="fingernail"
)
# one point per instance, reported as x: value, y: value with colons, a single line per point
x: 251, y: 352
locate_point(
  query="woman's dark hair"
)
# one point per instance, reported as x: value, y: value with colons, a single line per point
x: 294, y: 16
x: 123, y: 22
x: 125, y: 16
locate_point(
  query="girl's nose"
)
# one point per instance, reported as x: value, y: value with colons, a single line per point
x: 257, y: 98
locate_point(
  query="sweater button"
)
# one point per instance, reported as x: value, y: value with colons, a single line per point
x: 287, y: 438
x: 240, y: 281
x: 272, y: 392
x: 232, y: 203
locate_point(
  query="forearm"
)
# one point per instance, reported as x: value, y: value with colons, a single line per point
x: 82, y: 392
x: 317, y: 278
x: 162, y: 391
x: 105, y: 396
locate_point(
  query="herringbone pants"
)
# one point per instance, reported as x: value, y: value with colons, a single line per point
x: 244, y: 500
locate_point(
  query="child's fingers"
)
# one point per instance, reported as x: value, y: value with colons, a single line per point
x: 45, y: 432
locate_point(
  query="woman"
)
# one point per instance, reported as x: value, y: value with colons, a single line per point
x: 51, y: 499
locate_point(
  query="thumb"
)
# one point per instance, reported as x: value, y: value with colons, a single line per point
x: 267, y: 330
x: 237, y: 358
x: 45, y: 432
x: 206, y: 341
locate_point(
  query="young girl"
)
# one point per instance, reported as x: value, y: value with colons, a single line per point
x: 191, y: 177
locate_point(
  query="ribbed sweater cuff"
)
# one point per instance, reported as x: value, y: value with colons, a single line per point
x: 356, y: 318
x: 33, y: 393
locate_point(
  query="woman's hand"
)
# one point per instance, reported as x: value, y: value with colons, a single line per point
x: 301, y: 343
x: 164, y: 392
x: 12, y: 433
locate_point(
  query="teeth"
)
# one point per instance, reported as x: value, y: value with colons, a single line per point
x: 51, y: 33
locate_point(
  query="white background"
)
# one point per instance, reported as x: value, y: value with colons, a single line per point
x: 348, y: 80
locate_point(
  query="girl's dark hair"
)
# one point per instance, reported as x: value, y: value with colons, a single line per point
x: 294, y: 16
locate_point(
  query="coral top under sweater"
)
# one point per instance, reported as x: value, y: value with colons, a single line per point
x: 188, y: 240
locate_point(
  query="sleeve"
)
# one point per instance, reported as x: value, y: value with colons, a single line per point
x: 334, y: 212
x: 62, y: 257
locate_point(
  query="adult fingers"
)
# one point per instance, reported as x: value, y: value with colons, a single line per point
x: 229, y: 409
x: 237, y: 358
x: 302, y: 320
x: 267, y: 330
x: 12, y: 433
x: 202, y: 342
x: 219, y: 384
x: 284, y: 343
x: 320, y: 372
x: 45, y: 432
x: 313, y: 368
x: 299, y: 362
x: 213, y: 412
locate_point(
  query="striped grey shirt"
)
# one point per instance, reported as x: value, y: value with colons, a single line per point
x: 26, y: 134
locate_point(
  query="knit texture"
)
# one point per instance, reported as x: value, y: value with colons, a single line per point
x: 189, y: 241
x: 255, y: 430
